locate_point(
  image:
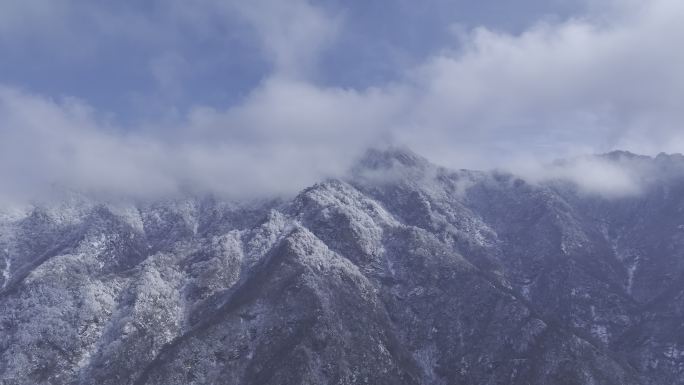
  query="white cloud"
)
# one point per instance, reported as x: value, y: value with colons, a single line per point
x: 292, y: 33
x: 556, y: 90
x: 285, y: 136
x: 591, y: 174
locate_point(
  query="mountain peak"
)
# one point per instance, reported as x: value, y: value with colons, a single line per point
x: 617, y: 155
x: 674, y: 157
x: 391, y: 157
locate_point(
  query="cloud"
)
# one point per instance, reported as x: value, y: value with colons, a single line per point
x: 285, y: 136
x: 46, y: 142
x: 557, y: 89
x: 590, y: 174
x: 292, y: 33
x: 491, y: 99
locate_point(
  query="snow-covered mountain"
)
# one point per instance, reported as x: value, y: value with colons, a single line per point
x: 402, y: 273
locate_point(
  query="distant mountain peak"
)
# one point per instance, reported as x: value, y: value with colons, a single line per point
x: 628, y: 155
x: 676, y: 157
x: 623, y: 154
x: 390, y: 157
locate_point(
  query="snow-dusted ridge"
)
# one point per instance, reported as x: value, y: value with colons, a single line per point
x: 401, y: 273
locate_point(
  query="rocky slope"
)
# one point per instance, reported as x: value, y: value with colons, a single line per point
x: 404, y: 273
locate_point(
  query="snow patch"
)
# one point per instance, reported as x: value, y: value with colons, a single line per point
x: 6, y: 272
x: 673, y: 352
x: 631, y: 270
x: 265, y: 236
x: 525, y: 290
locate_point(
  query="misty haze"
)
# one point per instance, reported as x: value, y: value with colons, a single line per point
x: 341, y: 192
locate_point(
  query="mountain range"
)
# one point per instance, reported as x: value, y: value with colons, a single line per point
x: 402, y: 272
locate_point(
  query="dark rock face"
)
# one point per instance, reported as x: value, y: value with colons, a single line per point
x: 405, y: 273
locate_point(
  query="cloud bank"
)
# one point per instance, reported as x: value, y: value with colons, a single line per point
x: 606, y: 80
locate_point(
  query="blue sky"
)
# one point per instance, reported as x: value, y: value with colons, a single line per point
x: 235, y: 97
x: 138, y: 59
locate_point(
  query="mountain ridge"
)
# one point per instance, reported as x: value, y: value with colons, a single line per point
x: 408, y: 274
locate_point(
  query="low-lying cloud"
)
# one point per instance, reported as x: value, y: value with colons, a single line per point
x: 593, y: 175
x: 586, y: 85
